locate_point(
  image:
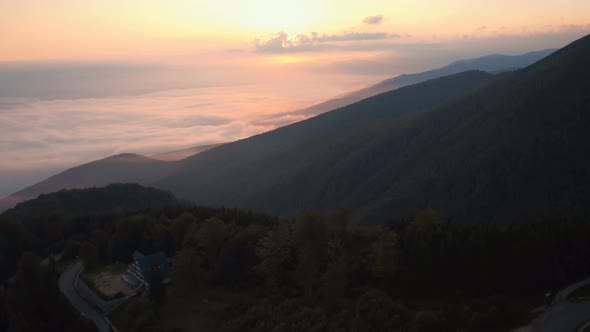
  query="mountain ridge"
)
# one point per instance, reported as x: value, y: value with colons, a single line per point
x: 165, y: 169
x: 290, y: 143
x: 501, y: 63
x: 428, y: 159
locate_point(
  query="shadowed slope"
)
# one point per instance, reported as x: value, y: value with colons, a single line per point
x: 312, y: 164
x: 492, y: 63
x: 515, y: 148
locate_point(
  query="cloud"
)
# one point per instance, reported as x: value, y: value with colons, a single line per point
x: 57, y: 134
x: 356, y: 36
x: 315, y: 42
x: 373, y: 20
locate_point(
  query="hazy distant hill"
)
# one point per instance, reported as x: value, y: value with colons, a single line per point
x: 515, y: 147
x: 109, y: 199
x: 492, y: 63
x: 123, y: 168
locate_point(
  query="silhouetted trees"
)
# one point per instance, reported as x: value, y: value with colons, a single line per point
x: 89, y: 255
x: 318, y: 272
x: 32, y: 301
x: 156, y: 291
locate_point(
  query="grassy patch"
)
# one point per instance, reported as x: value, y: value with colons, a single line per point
x: 90, y: 279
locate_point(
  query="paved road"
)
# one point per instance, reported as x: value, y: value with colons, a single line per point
x: 66, y: 285
x: 563, y: 315
x: 566, y: 317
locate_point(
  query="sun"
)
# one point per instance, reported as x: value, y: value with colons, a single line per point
x: 270, y: 15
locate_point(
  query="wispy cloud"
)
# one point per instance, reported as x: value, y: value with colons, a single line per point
x: 315, y: 42
x: 373, y: 20
x: 415, y: 55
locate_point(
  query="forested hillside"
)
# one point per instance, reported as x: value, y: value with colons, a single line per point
x: 122, y: 168
x: 128, y: 168
x: 315, y: 164
x: 240, y: 271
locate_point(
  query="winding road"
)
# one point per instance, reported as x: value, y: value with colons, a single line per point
x: 68, y: 288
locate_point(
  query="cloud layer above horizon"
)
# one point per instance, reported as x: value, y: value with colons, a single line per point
x: 281, y: 43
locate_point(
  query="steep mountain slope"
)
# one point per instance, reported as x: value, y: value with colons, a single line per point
x: 492, y: 63
x: 515, y: 148
x: 135, y: 168
x: 127, y: 168
x: 311, y: 164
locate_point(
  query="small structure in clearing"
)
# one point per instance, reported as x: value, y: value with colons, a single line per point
x: 139, y: 272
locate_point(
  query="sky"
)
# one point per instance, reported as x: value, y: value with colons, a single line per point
x: 84, y: 79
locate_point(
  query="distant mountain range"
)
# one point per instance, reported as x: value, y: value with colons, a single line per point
x: 133, y: 168
x: 494, y: 63
x: 472, y: 145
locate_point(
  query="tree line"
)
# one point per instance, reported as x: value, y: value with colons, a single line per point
x: 317, y: 272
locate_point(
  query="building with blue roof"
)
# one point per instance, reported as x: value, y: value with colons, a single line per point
x: 139, y: 271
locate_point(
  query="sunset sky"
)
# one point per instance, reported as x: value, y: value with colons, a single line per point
x: 101, y: 29
x: 85, y: 79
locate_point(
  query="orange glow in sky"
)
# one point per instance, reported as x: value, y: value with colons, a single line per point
x: 65, y: 29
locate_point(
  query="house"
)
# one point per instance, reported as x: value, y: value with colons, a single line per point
x: 139, y: 271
